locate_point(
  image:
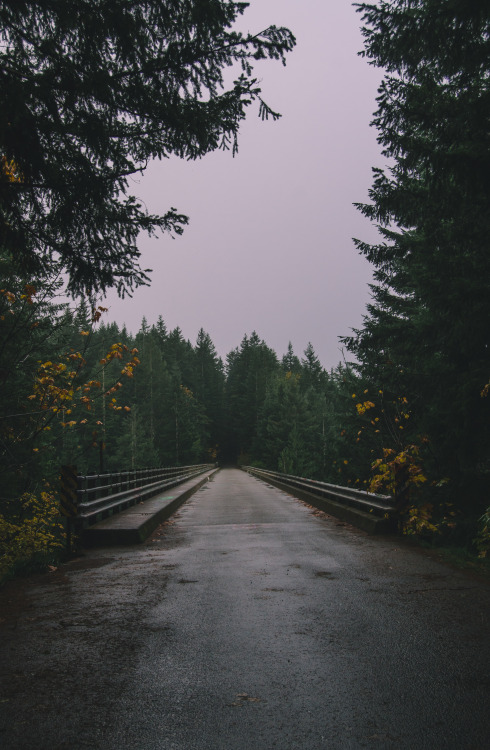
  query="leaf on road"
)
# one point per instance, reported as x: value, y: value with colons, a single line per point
x: 244, y: 697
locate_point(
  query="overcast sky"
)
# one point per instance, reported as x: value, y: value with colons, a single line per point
x: 269, y: 243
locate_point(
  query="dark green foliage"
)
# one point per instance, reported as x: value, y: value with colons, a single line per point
x: 289, y: 430
x: 168, y: 422
x: 209, y: 389
x: 91, y: 91
x: 250, y: 369
x: 280, y: 416
x: 312, y: 371
x: 426, y: 335
x: 29, y: 324
x: 156, y: 418
x: 290, y: 362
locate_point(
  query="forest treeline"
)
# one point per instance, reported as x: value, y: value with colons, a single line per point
x: 409, y: 406
x: 81, y: 391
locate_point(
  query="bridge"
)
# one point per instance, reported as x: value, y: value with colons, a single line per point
x: 125, y: 507
x: 249, y: 619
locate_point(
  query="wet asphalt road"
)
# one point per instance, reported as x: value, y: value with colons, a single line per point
x: 249, y: 622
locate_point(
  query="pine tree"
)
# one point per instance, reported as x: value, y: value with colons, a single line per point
x: 209, y: 389
x: 426, y: 334
x: 91, y: 91
x: 289, y: 428
x: 290, y: 362
x: 250, y: 369
x: 312, y: 371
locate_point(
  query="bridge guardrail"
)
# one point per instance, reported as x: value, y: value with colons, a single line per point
x: 100, y: 495
x: 358, y: 505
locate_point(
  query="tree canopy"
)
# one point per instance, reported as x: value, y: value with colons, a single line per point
x: 91, y: 91
x: 426, y: 334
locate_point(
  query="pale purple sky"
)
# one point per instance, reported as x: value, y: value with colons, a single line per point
x: 269, y: 243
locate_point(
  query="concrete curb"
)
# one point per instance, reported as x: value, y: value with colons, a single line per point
x: 362, y: 520
x: 135, y: 524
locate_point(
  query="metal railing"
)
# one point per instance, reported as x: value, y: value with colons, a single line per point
x: 100, y: 495
x: 378, y: 505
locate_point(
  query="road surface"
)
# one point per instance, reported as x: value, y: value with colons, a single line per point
x: 248, y: 622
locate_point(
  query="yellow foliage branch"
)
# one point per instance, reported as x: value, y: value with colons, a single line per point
x: 36, y: 529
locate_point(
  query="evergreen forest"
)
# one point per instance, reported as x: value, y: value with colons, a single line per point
x: 91, y: 92
x: 84, y: 392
